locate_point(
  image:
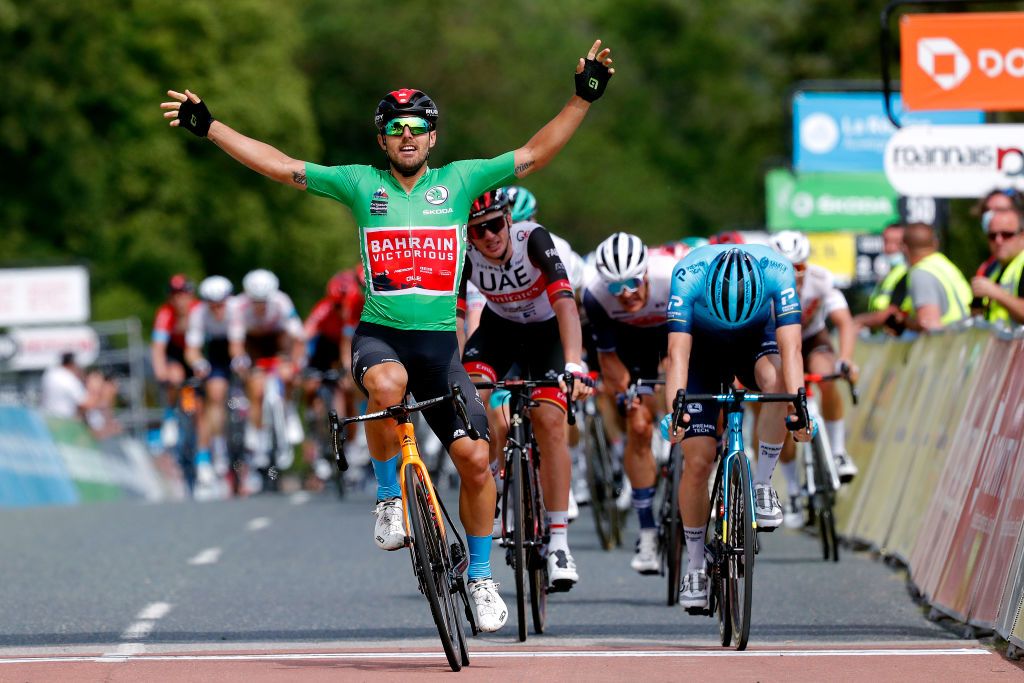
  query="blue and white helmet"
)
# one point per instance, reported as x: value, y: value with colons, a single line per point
x: 735, y: 288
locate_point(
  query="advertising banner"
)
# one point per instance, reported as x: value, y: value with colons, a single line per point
x: 37, y: 348
x: 1012, y: 603
x: 847, y: 131
x: 836, y: 251
x: 33, y: 296
x: 822, y: 202
x: 932, y: 546
x: 975, y: 525
x: 31, y: 470
x: 89, y: 468
x: 1005, y: 476
x: 955, y: 161
x: 963, y: 61
x: 949, y: 361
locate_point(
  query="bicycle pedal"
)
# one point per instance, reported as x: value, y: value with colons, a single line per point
x: 766, y: 529
x: 560, y: 586
x: 698, y: 611
x: 407, y: 542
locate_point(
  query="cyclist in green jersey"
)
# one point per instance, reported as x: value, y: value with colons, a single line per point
x: 412, y: 229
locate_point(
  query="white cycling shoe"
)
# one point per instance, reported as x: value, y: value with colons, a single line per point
x: 491, y: 612
x: 646, y: 560
x: 845, y: 467
x: 389, y: 530
x: 767, y: 509
x: 694, y: 589
x: 793, y: 514
x: 562, y: 574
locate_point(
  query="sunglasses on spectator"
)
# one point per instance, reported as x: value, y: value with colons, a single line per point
x: 624, y: 286
x: 396, y: 127
x: 478, y: 231
x: 1005, y: 235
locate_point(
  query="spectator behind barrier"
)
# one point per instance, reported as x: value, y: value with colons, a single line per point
x: 997, y: 285
x: 883, y: 314
x: 63, y: 392
x: 937, y: 292
x: 102, y: 395
x: 998, y: 200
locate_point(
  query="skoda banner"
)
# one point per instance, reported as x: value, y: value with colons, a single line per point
x: 847, y: 131
x: 956, y: 161
x: 973, y: 60
x: 823, y: 202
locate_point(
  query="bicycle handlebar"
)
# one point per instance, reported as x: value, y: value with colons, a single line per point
x: 521, y: 385
x: 734, y: 397
x: 845, y: 375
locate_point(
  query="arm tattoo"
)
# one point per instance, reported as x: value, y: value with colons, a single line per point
x: 522, y: 168
x: 299, y: 178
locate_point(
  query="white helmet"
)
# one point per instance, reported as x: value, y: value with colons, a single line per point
x: 792, y: 244
x: 259, y: 284
x: 215, y: 289
x: 621, y: 257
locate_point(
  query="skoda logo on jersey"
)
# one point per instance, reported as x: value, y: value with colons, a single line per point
x: 438, y: 194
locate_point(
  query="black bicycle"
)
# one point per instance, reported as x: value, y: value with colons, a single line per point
x: 439, y: 556
x: 526, y: 521
x: 327, y: 386
x: 186, y: 414
x: 604, y: 476
x: 731, y: 538
x: 822, y: 479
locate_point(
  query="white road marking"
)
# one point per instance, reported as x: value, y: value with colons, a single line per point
x: 124, y: 651
x: 300, y: 497
x: 583, y: 654
x: 154, y: 610
x: 258, y: 523
x: 139, y: 629
x: 208, y: 556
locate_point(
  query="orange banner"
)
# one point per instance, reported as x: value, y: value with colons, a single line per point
x: 963, y: 61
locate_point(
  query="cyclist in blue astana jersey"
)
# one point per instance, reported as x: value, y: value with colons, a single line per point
x: 412, y: 233
x: 732, y: 312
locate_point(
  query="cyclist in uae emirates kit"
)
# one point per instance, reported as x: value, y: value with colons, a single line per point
x: 530, y: 320
x: 413, y: 240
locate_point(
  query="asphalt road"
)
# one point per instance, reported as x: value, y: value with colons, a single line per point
x: 272, y: 571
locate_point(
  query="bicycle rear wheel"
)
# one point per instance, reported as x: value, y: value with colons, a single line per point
x: 740, y: 545
x: 823, y: 500
x: 516, y: 489
x: 674, y: 533
x: 601, y: 482
x: 433, y: 568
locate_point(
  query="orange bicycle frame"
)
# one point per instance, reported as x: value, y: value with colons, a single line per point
x: 411, y: 459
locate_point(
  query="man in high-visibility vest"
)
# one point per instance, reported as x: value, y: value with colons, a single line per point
x: 937, y: 292
x: 885, y: 300
x: 1000, y: 288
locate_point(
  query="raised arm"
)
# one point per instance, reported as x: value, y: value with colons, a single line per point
x: 189, y: 112
x: 592, y: 76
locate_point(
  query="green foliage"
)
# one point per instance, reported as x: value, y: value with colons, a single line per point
x: 696, y: 113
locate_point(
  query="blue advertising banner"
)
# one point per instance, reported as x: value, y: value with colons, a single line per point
x: 31, y: 469
x: 847, y: 131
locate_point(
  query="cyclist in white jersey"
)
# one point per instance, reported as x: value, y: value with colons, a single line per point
x: 207, y: 353
x: 267, y: 333
x: 820, y: 301
x: 626, y: 302
x: 530, y: 320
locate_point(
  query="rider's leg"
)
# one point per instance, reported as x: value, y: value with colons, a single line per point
x: 771, y: 423
x: 823, y: 363
x: 639, y: 460
x: 694, y: 504
x: 386, y: 385
x: 254, y: 388
x: 555, y: 470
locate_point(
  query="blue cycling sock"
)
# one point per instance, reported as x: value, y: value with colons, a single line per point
x: 203, y: 456
x: 643, y: 503
x: 386, y: 473
x: 479, y: 557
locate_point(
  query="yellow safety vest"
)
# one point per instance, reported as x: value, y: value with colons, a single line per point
x: 881, y: 297
x: 958, y: 292
x: 1009, y: 280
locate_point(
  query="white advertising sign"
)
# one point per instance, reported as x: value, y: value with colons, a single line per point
x: 33, y: 296
x: 37, y: 348
x: 955, y: 161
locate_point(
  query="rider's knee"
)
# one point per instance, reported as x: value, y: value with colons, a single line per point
x: 386, y: 383
x: 473, y: 463
x: 640, y: 425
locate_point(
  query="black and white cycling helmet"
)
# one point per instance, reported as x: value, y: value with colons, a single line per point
x: 215, y: 289
x: 260, y: 284
x: 793, y: 245
x: 621, y: 257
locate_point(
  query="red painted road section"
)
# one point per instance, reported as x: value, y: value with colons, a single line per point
x: 845, y: 664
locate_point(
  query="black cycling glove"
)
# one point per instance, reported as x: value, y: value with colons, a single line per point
x: 195, y: 117
x: 591, y: 82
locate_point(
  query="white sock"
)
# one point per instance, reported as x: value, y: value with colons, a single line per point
x: 767, y: 456
x: 558, y: 524
x: 694, y: 548
x: 836, y: 430
x: 792, y: 478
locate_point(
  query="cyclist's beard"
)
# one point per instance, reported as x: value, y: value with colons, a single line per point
x: 408, y: 169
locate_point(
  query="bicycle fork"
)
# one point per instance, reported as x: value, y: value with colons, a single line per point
x: 411, y: 460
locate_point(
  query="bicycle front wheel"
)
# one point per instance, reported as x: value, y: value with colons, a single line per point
x: 601, y: 482
x: 537, y: 564
x: 674, y: 532
x: 823, y: 500
x: 433, y: 568
x: 516, y: 488
x: 740, y: 540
